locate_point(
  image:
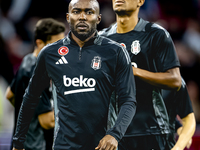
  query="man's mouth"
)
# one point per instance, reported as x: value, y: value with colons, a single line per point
x: 81, y: 26
x: 119, y: 2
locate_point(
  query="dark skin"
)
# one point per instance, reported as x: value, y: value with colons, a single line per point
x: 83, y: 18
x: 127, y: 10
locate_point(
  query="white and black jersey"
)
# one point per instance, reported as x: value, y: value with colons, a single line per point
x: 83, y: 81
x: 150, y: 48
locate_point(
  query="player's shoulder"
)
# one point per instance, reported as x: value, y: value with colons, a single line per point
x: 26, y: 66
x: 116, y: 47
x: 28, y: 57
x: 110, y: 43
x: 50, y: 48
x: 158, y: 29
x: 108, y: 31
x: 28, y: 61
x: 142, y: 26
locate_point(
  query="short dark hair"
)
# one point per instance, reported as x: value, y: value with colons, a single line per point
x: 45, y: 28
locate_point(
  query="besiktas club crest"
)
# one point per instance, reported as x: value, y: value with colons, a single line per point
x: 96, y: 63
x: 135, y: 47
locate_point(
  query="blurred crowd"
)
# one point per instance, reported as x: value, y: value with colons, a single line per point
x: 180, y: 18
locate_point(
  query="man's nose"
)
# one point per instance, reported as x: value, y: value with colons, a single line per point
x: 82, y: 16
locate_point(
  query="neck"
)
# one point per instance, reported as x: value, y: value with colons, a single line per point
x: 79, y: 42
x: 127, y: 22
x: 36, y: 51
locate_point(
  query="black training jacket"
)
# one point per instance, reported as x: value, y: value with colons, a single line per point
x: 83, y: 81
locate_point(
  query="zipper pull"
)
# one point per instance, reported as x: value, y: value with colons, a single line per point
x: 80, y: 53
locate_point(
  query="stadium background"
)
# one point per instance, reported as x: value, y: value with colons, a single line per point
x: 180, y: 17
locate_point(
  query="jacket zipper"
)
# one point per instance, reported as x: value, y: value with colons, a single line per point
x: 80, y: 53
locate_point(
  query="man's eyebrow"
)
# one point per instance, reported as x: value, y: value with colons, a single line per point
x: 85, y: 9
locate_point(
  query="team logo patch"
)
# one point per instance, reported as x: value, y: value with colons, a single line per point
x: 123, y: 44
x: 63, y: 50
x: 135, y: 47
x: 96, y: 63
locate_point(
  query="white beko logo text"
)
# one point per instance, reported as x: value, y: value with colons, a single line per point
x: 88, y: 83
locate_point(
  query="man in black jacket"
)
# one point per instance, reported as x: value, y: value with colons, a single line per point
x: 84, y: 68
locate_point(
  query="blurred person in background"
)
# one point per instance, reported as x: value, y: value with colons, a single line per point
x: 6, y: 68
x: 155, y: 66
x: 178, y: 102
x: 46, y: 31
x: 18, y: 18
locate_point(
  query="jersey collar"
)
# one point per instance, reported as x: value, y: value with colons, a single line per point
x: 94, y: 40
x: 139, y: 27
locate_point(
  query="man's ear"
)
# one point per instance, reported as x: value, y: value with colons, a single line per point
x: 39, y: 43
x: 67, y: 17
x: 99, y: 19
x: 140, y: 2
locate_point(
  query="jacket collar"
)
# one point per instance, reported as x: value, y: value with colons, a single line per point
x: 96, y: 39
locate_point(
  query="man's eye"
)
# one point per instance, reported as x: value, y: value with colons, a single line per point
x: 75, y: 12
x: 89, y: 12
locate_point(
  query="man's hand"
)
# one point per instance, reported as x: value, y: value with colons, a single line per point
x: 134, y: 70
x: 108, y: 142
x: 10, y: 96
x: 189, y: 143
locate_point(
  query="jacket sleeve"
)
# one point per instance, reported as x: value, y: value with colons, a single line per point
x: 125, y: 88
x: 38, y: 82
x: 164, y: 50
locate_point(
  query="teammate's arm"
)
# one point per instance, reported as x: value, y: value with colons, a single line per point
x: 10, y: 96
x: 189, y: 143
x: 47, y: 120
x: 171, y: 79
x: 167, y: 73
x: 185, y: 135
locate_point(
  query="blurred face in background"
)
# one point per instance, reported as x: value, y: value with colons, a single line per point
x: 125, y: 6
x: 55, y: 38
